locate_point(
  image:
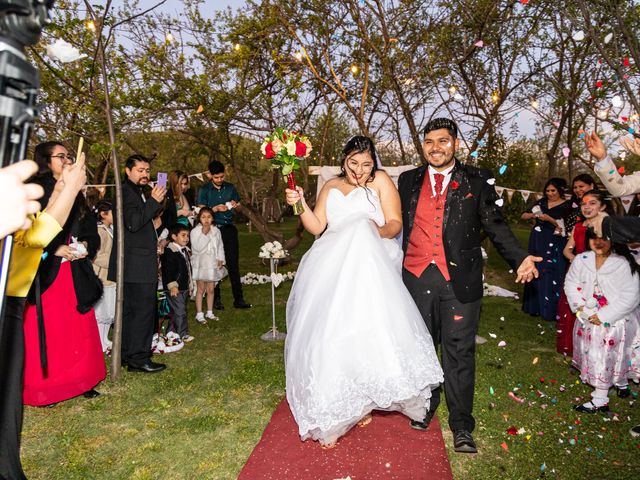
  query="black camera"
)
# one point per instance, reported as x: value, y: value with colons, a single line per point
x: 21, y: 23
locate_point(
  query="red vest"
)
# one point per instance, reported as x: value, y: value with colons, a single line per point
x: 426, y: 239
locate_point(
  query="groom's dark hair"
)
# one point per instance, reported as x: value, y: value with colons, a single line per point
x: 438, y: 123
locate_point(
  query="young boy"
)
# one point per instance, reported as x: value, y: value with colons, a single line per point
x: 176, y: 278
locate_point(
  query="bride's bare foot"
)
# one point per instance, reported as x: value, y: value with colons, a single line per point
x: 366, y: 420
x: 328, y: 446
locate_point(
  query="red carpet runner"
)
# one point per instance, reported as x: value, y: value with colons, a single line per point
x: 387, y: 448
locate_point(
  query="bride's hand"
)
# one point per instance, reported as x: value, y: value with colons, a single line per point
x: 293, y: 196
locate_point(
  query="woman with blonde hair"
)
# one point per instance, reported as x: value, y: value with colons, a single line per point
x: 178, y: 185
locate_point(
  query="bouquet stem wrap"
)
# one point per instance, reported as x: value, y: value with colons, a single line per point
x: 298, y: 209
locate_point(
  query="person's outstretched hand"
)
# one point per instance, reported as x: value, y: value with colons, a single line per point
x: 595, y: 146
x: 527, y: 270
x: 17, y: 199
x: 595, y: 223
x: 293, y: 196
x: 632, y: 145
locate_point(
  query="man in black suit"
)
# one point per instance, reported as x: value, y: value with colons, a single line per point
x: 140, y: 266
x: 445, y: 204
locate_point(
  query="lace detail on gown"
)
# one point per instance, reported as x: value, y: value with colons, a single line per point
x: 356, y: 341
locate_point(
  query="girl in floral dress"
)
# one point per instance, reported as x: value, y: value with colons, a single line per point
x: 603, y: 290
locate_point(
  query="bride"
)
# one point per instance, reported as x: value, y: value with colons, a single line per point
x: 356, y: 341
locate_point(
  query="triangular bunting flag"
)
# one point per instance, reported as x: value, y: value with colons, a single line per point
x: 626, y: 202
x: 538, y: 196
x: 525, y: 195
x: 510, y: 192
x: 499, y: 191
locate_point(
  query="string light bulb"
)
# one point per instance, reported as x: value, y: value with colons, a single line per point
x: 354, y: 69
x: 495, y: 96
x: 237, y: 47
x: 169, y: 37
x: 453, y: 89
x: 535, y: 104
x: 298, y: 56
x: 91, y: 25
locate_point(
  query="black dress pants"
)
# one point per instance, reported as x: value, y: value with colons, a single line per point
x: 453, y: 325
x: 231, y: 255
x: 138, y: 321
x: 11, y: 373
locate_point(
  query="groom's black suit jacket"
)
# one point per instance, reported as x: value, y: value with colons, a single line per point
x: 469, y: 208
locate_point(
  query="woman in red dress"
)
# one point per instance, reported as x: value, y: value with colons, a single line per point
x: 591, y: 203
x: 63, y: 354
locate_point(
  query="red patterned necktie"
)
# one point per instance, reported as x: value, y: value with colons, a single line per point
x: 439, y: 178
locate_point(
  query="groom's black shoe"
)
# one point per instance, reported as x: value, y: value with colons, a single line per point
x: 147, y: 367
x: 424, y: 424
x: 463, y: 442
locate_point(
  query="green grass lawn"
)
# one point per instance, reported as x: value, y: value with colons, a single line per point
x: 202, y: 417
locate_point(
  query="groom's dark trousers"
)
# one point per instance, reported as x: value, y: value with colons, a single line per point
x: 453, y: 325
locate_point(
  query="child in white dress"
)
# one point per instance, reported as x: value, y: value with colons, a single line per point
x: 105, y: 309
x: 603, y: 289
x: 207, y: 261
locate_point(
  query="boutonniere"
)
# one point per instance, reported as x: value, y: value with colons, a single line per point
x: 454, y: 185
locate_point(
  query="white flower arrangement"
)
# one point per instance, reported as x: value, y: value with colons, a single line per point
x: 259, y: 279
x: 272, y: 250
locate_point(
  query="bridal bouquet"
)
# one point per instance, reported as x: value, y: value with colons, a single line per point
x: 285, y: 149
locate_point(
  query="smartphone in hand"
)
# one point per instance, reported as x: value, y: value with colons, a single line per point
x: 162, y: 180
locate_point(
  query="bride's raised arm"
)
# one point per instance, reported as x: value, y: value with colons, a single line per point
x: 390, y: 202
x: 314, y: 221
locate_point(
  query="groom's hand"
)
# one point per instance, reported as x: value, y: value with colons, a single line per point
x: 527, y: 270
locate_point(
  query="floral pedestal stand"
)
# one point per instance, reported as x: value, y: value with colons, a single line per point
x: 273, y: 334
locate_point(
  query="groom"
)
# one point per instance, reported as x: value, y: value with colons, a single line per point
x: 445, y: 205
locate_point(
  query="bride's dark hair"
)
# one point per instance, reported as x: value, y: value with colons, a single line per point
x: 359, y: 144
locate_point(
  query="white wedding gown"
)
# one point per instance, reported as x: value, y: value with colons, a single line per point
x: 355, y: 338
